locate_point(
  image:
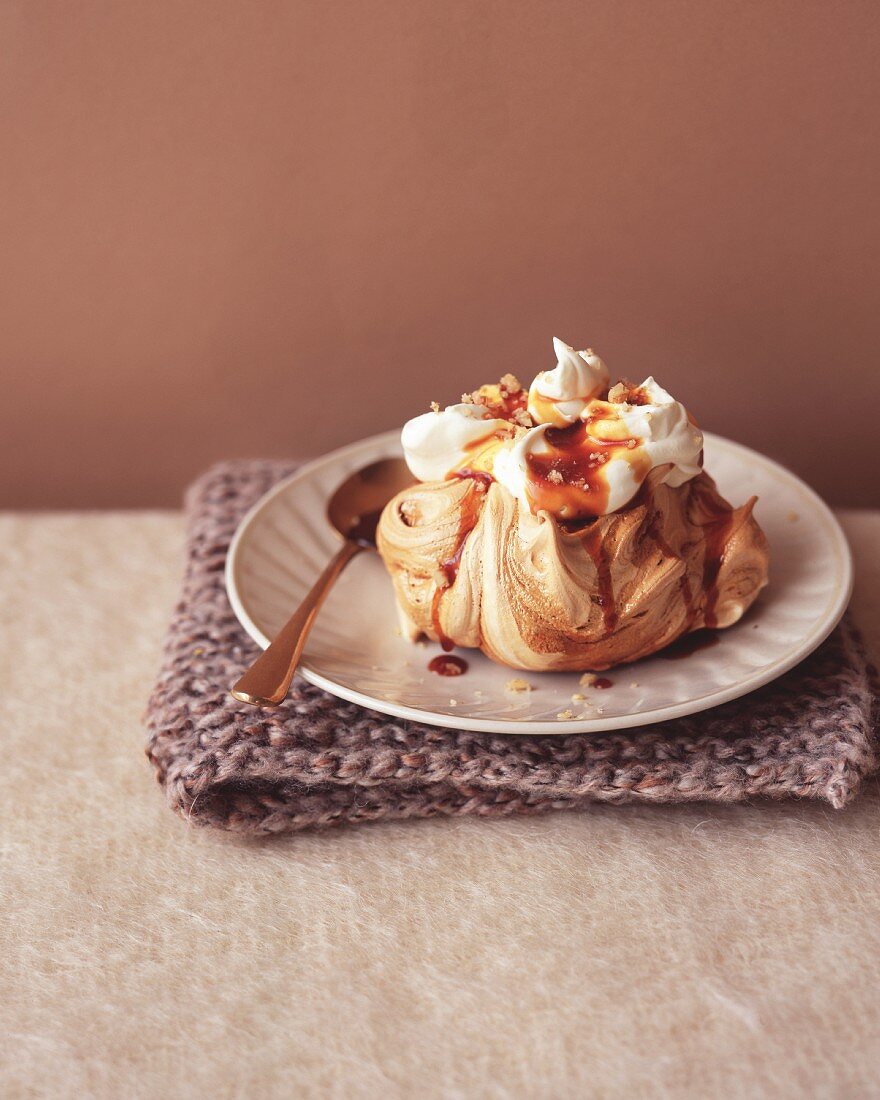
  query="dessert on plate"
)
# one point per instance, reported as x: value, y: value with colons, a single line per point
x: 569, y: 525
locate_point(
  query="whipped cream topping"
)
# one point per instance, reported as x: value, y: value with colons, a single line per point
x: 667, y: 434
x: 586, y: 456
x: 438, y: 443
x: 559, y: 396
x: 621, y: 443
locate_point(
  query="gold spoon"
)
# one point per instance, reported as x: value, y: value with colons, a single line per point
x: 354, y: 511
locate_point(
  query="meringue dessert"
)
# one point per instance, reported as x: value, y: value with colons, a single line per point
x: 569, y: 526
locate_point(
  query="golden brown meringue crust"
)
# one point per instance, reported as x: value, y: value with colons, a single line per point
x: 471, y: 566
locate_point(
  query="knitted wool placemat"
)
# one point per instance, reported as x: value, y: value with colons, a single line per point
x: 318, y: 760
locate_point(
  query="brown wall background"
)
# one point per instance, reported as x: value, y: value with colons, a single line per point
x: 271, y: 228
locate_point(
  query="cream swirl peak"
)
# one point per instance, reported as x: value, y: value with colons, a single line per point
x: 581, y: 450
x: 559, y: 396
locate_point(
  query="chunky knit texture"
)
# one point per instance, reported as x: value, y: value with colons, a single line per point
x: 319, y: 761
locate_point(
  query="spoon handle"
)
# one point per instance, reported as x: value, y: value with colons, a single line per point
x: 267, y: 681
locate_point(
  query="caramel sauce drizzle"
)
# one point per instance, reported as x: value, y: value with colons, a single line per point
x: 501, y: 404
x: 446, y: 665
x: 717, y: 531
x: 467, y: 474
x: 717, y: 535
x: 570, y: 482
x: 481, y: 455
x: 545, y: 411
x: 569, y: 479
x: 594, y: 545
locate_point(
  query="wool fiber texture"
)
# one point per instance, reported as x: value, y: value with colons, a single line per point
x: 318, y: 761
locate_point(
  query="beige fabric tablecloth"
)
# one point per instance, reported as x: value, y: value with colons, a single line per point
x: 641, y: 951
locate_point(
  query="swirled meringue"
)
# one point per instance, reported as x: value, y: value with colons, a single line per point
x: 533, y: 595
x: 571, y: 529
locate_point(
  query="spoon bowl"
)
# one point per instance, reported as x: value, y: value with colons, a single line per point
x: 356, y: 505
x: 353, y: 510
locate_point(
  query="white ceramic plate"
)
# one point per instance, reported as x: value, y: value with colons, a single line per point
x: 355, y: 652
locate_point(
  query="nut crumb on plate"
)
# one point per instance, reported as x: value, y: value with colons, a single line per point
x: 564, y: 714
x: 518, y: 684
x: 588, y: 678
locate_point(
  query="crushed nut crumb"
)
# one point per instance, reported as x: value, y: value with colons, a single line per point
x: 518, y: 685
x: 555, y: 476
x: 521, y: 417
x: 588, y: 678
x: 578, y: 697
x: 510, y: 384
x: 435, y: 406
x: 453, y: 702
x: 468, y: 399
x: 564, y: 714
x: 617, y: 393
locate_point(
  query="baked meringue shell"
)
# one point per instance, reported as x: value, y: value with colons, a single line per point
x: 471, y: 566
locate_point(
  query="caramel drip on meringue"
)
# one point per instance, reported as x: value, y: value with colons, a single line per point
x: 543, y: 409
x: 480, y: 456
x: 594, y: 544
x: 569, y: 479
x: 717, y: 532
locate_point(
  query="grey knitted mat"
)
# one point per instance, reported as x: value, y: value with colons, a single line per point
x: 319, y: 761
